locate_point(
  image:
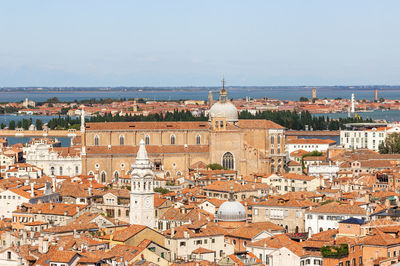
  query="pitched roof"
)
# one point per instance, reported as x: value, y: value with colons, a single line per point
x: 250, y: 230
x: 147, y: 125
x: 336, y: 207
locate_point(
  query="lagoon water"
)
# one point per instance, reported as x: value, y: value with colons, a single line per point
x: 202, y: 94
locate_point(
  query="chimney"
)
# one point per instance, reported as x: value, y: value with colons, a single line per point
x: 90, y: 190
x: 45, y: 246
x: 32, y: 190
x: 51, y: 205
x: 172, y: 230
x: 40, y: 244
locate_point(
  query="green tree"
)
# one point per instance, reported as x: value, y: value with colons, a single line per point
x: 215, y: 166
x: 39, y: 124
x: 11, y: 125
x: 303, y: 99
x: 26, y: 123
x: 161, y: 190
x: 391, y: 144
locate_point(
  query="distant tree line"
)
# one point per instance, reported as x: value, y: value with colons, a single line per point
x: 391, y: 144
x: 288, y: 119
x: 299, y: 121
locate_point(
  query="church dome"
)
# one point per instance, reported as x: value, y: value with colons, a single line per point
x: 223, y: 108
x: 231, y: 211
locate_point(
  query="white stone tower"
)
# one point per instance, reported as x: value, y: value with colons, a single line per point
x: 83, y: 120
x: 142, y: 194
x: 353, y: 109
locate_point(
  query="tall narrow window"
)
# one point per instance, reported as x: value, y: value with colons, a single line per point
x: 121, y: 140
x: 198, y: 139
x: 103, y: 177
x: 272, y: 140
x: 61, y: 170
x: 52, y: 171
x: 228, y: 161
x: 172, y: 139
x: 279, y: 139
x: 96, y: 140
x: 116, y: 176
x: 147, y: 140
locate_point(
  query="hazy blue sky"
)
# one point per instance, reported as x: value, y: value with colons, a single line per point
x: 171, y: 42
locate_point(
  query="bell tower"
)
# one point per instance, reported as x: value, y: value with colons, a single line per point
x: 142, y: 194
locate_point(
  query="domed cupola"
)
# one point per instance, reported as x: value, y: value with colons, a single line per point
x: 223, y: 108
x: 231, y: 210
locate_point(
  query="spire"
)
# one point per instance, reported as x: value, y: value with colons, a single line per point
x: 223, y: 94
x: 142, y: 159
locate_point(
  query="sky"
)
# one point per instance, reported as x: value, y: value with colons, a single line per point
x: 194, y: 43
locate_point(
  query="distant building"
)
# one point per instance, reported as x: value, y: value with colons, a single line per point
x: 366, y: 135
x: 314, y: 93
x: 28, y: 103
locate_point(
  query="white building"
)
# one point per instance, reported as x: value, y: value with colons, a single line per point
x: 142, y: 193
x: 12, y: 198
x: 62, y: 161
x: 280, y: 250
x: 326, y: 170
x: 309, y: 145
x: 326, y: 217
x: 24, y: 170
x: 366, y: 135
x: 283, y: 183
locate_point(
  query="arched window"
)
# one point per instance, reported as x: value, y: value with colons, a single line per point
x: 272, y: 169
x: 103, y: 177
x: 90, y: 173
x: 147, y: 140
x: 227, y: 161
x: 216, y: 123
x: 279, y: 169
x: 96, y: 140
x: 198, y: 139
x: 52, y: 170
x: 279, y: 139
x: 167, y: 174
x: 272, y: 140
x: 61, y: 170
x: 121, y: 140
x: 116, y: 175
x: 77, y: 170
x: 172, y: 139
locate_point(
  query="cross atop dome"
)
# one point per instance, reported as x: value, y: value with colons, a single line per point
x: 223, y: 94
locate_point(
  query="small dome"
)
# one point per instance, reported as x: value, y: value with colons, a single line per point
x: 224, y: 109
x: 231, y: 211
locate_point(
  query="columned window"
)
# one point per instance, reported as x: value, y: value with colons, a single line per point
x: 228, y: 161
